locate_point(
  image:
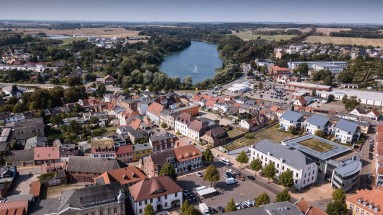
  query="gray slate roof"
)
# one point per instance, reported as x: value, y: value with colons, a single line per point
x: 92, y: 165
x: 291, y: 157
x: 317, y: 120
x: 291, y: 116
x: 347, y: 126
x: 279, y: 208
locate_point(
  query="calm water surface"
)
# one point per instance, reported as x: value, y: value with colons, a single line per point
x: 201, y: 55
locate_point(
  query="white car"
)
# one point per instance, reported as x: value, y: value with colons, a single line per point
x: 199, y: 174
x: 231, y: 171
x: 225, y: 161
x: 216, y: 155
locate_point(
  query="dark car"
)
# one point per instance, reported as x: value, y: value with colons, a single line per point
x: 213, y: 210
x: 250, y: 177
x: 221, y: 209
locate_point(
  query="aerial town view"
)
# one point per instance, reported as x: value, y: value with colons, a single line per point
x: 191, y: 107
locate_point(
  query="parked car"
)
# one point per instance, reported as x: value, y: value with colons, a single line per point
x: 199, y: 174
x: 221, y: 209
x: 250, y: 177
x: 238, y: 206
x: 224, y: 161
x: 212, y: 210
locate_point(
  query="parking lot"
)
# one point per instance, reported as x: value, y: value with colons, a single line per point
x: 240, y: 192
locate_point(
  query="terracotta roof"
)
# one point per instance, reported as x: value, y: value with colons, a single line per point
x: 46, y: 153
x: 127, y: 175
x: 308, y: 209
x: 197, y: 125
x: 369, y: 196
x: 184, y: 118
x: 130, y: 113
x: 35, y: 188
x: 124, y: 150
x: 153, y: 188
x: 209, y: 103
x: 277, y: 68
x: 274, y: 108
x: 188, y: 152
x: 302, y: 100
x: 14, y: 208
x: 196, y: 98
x: 155, y: 108
x: 379, y: 128
x: 180, y: 142
x: 135, y: 123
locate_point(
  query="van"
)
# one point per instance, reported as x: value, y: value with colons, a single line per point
x: 204, y: 209
x: 225, y: 161
x: 230, y: 181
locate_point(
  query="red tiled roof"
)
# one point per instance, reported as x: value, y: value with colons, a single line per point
x: 146, y: 189
x: 274, y: 108
x: 35, y: 188
x: 135, y: 123
x: 14, y: 208
x: 155, y: 108
x: 124, y: 150
x: 308, y: 209
x: 46, y: 153
x: 124, y: 175
x: 210, y: 103
x: 188, y: 152
x: 371, y: 196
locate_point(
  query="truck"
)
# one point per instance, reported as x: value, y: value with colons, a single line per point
x: 204, y: 209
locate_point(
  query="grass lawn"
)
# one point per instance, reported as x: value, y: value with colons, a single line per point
x: 271, y: 133
x: 233, y: 133
x: 111, y: 130
x: 316, y: 145
x: 247, y: 35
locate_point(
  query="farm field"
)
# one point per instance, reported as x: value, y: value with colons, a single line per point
x: 247, y: 35
x: 345, y: 40
x: 101, y: 32
x: 271, y: 133
x: 66, y: 41
x: 327, y: 31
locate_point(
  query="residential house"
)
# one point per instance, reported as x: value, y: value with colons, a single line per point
x: 162, y: 142
x: 371, y: 114
x: 215, y: 136
x: 20, y: 158
x: 7, y: 179
x: 300, y: 102
x: 167, y: 117
x: 182, y: 122
x: 125, y: 153
x: 126, y: 176
x: 308, y: 209
x: 36, y: 141
x: 138, y: 137
x: 15, y: 207
x: 29, y: 128
x: 290, y: 118
x: 196, y: 129
x: 276, y: 70
x: 84, y: 169
x: 346, y: 131
x: 183, y: 159
x: 257, y: 122
x: 153, y: 112
x: 141, y: 150
x: 107, y: 80
x: 103, y: 148
x: 161, y: 192
x: 317, y: 123
x: 46, y: 155
x: 305, y: 170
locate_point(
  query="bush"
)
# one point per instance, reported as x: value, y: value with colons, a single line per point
x: 249, y: 136
x: 46, y: 176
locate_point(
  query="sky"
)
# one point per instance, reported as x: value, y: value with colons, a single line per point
x: 303, y: 11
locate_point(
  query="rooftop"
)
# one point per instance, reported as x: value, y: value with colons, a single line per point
x: 347, y: 126
x: 324, y: 154
x: 318, y: 120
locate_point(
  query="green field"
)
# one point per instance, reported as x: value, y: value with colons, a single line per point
x: 71, y: 39
x: 271, y: 133
x: 233, y: 133
x: 247, y: 35
x: 316, y: 145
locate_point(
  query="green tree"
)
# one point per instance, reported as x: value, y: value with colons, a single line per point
x: 269, y: 170
x: 192, y: 211
x: 168, y: 170
x: 328, y: 80
x: 262, y: 199
x: 164, y: 125
x: 331, y: 98
x: 211, y: 175
x: 293, y: 130
x: 185, y: 206
x: 302, y: 69
x: 320, y: 133
x: 242, y: 158
x: 149, y: 210
x: 256, y: 164
x: 336, y: 208
x: 207, y: 155
x: 93, y: 120
x: 12, y: 100
x: 339, y: 195
x: 230, y: 206
x: 286, y: 178
x: 283, y: 196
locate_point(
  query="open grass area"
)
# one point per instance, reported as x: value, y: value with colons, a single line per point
x: 344, y: 40
x: 316, y: 145
x: 271, y: 133
x: 247, y: 35
x: 66, y: 41
x: 233, y: 133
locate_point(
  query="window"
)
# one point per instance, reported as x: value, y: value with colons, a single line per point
x: 175, y: 195
x: 351, y: 206
x: 115, y: 210
x: 140, y: 211
x: 139, y: 203
x: 277, y: 165
x: 101, y: 213
x: 296, y: 175
x: 151, y: 200
x: 146, y: 201
x: 166, y: 196
x: 166, y: 204
x: 109, y: 211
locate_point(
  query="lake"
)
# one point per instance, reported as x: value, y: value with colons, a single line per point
x: 201, y: 57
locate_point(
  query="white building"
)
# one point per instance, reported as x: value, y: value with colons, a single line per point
x: 346, y: 131
x: 333, y: 66
x: 371, y: 114
x: 161, y: 192
x: 305, y: 171
x: 290, y: 118
x: 239, y: 88
x: 315, y: 123
x: 181, y: 123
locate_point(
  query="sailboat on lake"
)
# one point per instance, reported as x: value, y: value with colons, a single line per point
x: 195, y: 71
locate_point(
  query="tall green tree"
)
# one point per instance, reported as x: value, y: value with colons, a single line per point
x: 339, y: 195
x: 269, y: 170
x: 262, y: 199
x: 149, y: 210
x: 242, y: 158
x: 230, y: 206
x: 168, y: 170
x: 283, y: 196
x: 211, y: 175
x: 338, y: 205
x: 207, y: 156
x: 286, y: 178
x: 185, y: 206
x: 256, y: 164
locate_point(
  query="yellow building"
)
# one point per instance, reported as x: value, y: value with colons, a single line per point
x: 141, y: 150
